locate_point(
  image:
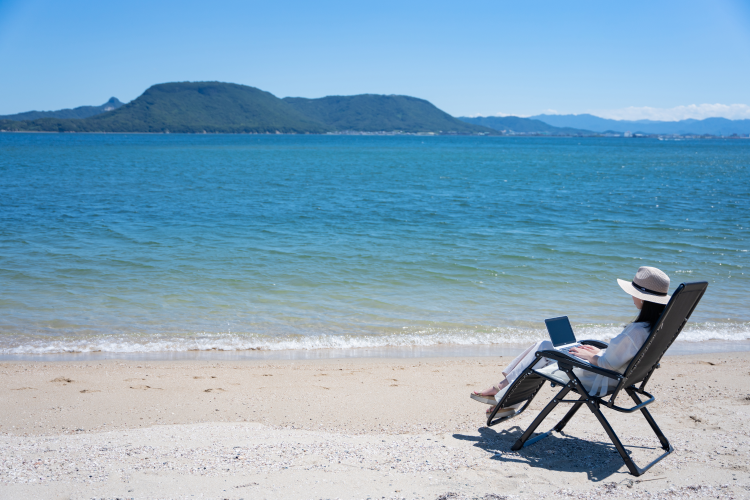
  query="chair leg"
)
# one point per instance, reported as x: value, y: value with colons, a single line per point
x: 538, y: 420
x: 659, y: 434
x: 594, y: 407
x: 562, y: 423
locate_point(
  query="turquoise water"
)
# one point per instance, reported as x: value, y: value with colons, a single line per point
x: 136, y: 243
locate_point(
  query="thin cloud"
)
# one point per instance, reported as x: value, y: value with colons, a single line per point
x: 526, y: 115
x: 695, y: 111
x: 503, y: 115
x: 481, y: 115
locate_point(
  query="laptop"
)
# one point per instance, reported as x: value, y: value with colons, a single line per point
x: 561, y: 334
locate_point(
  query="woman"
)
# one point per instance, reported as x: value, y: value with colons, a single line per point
x: 649, y: 291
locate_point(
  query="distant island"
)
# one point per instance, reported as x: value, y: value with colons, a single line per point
x: 215, y: 107
x: 514, y: 125
x: 593, y: 126
x: 379, y: 113
x: 708, y: 126
x: 79, y: 112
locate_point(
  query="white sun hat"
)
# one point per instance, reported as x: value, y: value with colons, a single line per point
x: 649, y: 284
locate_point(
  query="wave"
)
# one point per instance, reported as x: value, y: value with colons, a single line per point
x: 134, y: 343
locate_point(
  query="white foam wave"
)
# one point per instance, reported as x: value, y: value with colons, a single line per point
x: 25, y: 344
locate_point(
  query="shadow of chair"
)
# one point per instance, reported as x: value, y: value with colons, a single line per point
x: 562, y: 453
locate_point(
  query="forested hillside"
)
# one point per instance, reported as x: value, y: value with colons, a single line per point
x: 196, y: 107
x: 79, y: 112
x: 374, y: 113
x: 523, y: 125
x: 191, y: 107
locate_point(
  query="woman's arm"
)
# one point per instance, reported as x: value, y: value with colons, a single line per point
x: 587, y: 353
x: 622, y: 348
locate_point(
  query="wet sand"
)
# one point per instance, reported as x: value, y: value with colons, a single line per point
x: 352, y: 428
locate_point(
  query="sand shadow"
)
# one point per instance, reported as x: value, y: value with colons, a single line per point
x: 559, y: 452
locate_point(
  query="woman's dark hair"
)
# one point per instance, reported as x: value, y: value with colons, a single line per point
x: 650, y: 312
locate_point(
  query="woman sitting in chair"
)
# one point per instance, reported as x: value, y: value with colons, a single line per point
x: 649, y: 291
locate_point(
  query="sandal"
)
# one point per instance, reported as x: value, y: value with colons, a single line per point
x: 502, y: 412
x: 488, y: 400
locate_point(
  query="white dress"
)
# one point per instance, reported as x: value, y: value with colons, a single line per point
x: 616, y: 357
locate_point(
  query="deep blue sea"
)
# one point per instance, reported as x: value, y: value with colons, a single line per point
x: 143, y: 243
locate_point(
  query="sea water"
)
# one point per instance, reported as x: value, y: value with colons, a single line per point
x: 153, y: 243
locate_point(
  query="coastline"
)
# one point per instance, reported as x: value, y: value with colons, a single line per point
x: 351, y: 428
x: 659, y: 137
x: 679, y: 348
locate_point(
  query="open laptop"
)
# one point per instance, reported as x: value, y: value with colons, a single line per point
x: 561, y: 334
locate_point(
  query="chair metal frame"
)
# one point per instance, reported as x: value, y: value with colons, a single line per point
x: 642, y: 366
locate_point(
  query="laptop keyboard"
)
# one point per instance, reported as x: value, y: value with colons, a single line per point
x: 568, y: 348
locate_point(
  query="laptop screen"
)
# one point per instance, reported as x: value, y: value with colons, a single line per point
x: 560, y: 331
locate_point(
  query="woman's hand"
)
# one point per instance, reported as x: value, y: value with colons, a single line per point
x: 586, y: 353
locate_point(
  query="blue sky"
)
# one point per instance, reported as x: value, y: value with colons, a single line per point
x: 663, y: 59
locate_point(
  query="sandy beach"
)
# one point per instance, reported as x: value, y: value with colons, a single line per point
x: 354, y: 428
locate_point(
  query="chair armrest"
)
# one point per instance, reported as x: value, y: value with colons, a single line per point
x: 561, y: 357
x: 596, y: 343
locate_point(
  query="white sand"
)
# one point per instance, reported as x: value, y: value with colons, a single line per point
x: 366, y: 428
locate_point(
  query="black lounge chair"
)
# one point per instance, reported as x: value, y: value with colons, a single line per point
x: 640, y: 369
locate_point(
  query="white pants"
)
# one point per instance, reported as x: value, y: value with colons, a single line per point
x: 523, y: 361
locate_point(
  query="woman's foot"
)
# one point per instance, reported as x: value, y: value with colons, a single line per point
x: 493, y: 390
x: 488, y: 393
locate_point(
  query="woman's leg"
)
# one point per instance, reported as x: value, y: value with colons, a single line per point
x: 518, y: 365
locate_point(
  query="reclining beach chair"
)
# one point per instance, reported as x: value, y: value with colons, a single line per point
x: 641, y: 367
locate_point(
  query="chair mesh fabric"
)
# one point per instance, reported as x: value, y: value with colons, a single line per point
x: 523, y: 389
x: 665, y: 331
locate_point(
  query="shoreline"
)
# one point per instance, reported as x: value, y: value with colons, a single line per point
x: 679, y: 348
x: 660, y: 137
x: 368, y: 134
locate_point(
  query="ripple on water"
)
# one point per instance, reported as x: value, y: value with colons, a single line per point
x: 139, y: 243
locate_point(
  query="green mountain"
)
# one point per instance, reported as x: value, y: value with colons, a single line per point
x: 523, y: 125
x: 195, y: 107
x: 375, y: 113
x: 79, y: 112
x: 191, y: 108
